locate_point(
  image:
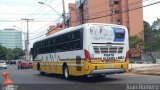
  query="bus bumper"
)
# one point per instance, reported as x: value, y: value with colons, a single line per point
x: 108, y: 71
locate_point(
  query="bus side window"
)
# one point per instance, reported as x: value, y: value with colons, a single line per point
x: 64, y: 47
x: 75, y: 45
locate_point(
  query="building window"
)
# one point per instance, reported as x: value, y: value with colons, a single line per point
x: 116, y: 2
x: 116, y: 11
x: 117, y: 21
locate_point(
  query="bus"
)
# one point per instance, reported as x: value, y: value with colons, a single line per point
x: 87, y: 50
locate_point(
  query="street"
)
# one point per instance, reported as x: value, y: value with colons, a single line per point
x: 80, y: 37
x: 29, y: 78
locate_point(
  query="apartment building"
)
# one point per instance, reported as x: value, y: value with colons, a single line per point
x: 122, y: 12
x: 71, y: 19
x: 54, y: 28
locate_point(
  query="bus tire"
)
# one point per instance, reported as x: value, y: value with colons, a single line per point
x: 42, y: 73
x: 65, y: 72
x: 100, y: 76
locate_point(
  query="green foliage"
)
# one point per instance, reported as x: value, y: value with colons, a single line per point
x: 152, y: 36
x: 153, y: 45
x: 3, y: 52
x: 148, y: 33
x: 156, y: 25
x: 135, y: 41
x: 17, y: 53
x: 9, y: 54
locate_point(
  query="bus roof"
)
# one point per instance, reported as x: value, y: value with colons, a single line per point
x: 77, y: 27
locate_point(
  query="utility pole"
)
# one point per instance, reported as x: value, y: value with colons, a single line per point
x: 27, y: 39
x: 64, y: 14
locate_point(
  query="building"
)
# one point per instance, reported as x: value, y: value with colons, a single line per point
x: 122, y: 12
x: 11, y: 38
x: 71, y: 19
x: 54, y: 28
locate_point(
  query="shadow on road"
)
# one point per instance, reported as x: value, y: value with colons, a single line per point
x: 81, y: 79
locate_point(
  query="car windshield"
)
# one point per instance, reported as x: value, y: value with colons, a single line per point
x: 2, y: 61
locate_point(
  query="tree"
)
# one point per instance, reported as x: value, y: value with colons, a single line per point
x: 136, y: 45
x: 148, y: 32
x: 9, y: 54
x: 156, y: 25
x: 3, y: 52
x: 135, y: 41
x: 17, y: 53
x: 152, y: 36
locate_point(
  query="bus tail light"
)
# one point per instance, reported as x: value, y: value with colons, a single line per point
x: 127, y: 55
x: 87, y: 55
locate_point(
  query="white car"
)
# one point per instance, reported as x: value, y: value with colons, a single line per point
x: 3, y: 64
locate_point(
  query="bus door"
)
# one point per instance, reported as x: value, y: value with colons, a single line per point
x: 56, y: 58
x: 52, y: 63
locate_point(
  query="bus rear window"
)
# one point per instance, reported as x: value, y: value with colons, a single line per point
x: 119, y: 34
x: 104, y: 34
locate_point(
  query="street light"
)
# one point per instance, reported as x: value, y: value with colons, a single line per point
x: 50, y: 7
x: 63, y: 15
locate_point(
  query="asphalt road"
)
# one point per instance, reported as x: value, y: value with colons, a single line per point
x: 27, y: 79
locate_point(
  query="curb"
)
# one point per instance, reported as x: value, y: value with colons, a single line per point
x: 145, y: 72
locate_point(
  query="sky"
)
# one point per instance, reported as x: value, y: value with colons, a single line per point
x: 13, y: 11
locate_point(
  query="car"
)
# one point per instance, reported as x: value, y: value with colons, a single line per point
x: 13, y: 62
x: 3, y: 64
x: 24, y: 64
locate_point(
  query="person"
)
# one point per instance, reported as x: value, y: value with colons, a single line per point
x: 38, y: 66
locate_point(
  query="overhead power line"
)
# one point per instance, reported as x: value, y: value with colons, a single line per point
x: 130, y: 4
x: 109, y: 15
x: 43, y: 9
x: 104, y: 3
x: 24, y: 14
x: 37, y: 10
x: 126, y: 10
x: 46, y: 33
x: 36, y: 20
x: 38, y: 37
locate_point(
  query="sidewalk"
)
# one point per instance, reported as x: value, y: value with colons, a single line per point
x: 146, y: 69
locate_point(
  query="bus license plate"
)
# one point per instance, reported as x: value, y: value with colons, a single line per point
x: 110, y: 66
x: 109, y: 60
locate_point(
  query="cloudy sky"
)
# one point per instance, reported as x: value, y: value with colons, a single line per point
x: 12, y: 11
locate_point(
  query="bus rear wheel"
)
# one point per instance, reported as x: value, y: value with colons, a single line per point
x: 42, y: 73
x: 65, y: 72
